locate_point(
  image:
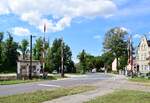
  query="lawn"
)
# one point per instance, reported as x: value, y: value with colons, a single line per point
x: 124, y: 96
x: 144, y: 81
x: 41, y: 96
x: 138, y: 79
x: 10, y: 82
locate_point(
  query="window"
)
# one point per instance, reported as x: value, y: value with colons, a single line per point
x: 141, y: 56
x: 144, y: 58
x: 145, y: 67
x: 141, y: 67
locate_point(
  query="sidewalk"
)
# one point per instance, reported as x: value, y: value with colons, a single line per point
x: 82, y: 97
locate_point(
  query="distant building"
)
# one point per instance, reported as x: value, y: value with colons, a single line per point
x: 23, y: 68
x: 23, y: 65
x: 114, y: 65
x: 143, y: 55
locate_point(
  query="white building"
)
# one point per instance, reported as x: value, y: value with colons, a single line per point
x: 114, y: 65
x: 23, y: 68
x: 143, y: 55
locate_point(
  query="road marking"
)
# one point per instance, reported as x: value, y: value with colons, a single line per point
x: 48, y: 85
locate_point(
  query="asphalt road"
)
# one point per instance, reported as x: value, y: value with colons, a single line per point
x: 73, y: 81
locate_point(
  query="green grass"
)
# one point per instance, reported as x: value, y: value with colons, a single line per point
x: 10, y: 82
x: 41, y: 96
x: 138, y: 79
x: 141, y: 80
x: 124, y: 96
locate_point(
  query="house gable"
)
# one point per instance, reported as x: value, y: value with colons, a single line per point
x: 144, y: 44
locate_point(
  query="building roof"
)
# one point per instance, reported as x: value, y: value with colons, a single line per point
x: 148, y: 41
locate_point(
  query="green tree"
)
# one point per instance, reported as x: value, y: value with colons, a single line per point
x: 107, y: 59
x: 23, y: 47
x: 54, y: 57
x: 82, y: 59
x: 1, y: 49
x: 115, y: 42
x: 90, y: 62
x: 49, y: 64
x: 10, y: 54
x: 99, y: 63
x: 38, y: 49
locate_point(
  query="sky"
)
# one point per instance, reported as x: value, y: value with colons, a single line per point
x: 81, y: 23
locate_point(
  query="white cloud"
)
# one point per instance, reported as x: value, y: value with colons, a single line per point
x: 4, y: 7
x: 124, y: 29
x: 20, y: 31
x: 137, y: 36
x: 63, y: 11
x: 97, y: 37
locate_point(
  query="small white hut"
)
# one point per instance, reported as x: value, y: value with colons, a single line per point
x: 23, y: 68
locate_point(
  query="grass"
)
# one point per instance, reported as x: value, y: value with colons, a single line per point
x: 124, y: 96
x: 41, y: 96
x: 144, y: 81
x: 10, y: 82
x: 138, y: 79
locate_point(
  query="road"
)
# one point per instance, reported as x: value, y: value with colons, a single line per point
x: 90, y: 78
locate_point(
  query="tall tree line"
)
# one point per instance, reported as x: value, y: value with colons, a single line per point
x: 53, y: 60
x: 11, y: 50
x: 8, y: 53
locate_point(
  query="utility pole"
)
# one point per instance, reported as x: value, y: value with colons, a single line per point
x: 62, y: 58
x: 130, y: 56
x: 44, y: 48
x: 30, y: 67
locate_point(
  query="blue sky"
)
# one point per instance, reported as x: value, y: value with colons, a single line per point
x: 82, y: 23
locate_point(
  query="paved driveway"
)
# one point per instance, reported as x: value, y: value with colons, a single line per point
x: 90, y: 78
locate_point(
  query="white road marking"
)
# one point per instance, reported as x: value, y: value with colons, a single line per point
x: 49, y: 85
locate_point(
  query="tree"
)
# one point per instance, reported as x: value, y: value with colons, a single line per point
x: 114, y: 42
x: 49, y: 64
x: 10, y: 54
x: 90, y: 62
x: 23, y: 47
x: 99, y: 63
x: 1, y: 38
x: 53, y: 61
x: 107, y: 59
x: 38, y: 49
x: 82, y: 58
